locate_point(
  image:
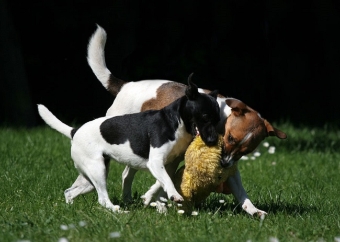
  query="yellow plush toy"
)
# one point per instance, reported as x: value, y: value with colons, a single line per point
x: 202, y: 172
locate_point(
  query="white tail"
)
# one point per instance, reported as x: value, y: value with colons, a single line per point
x: 96, y: 56
x: 53, y: 121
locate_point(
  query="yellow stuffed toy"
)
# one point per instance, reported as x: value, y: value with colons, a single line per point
x: 202, y: 172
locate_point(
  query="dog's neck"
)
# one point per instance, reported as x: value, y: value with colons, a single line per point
x: 225, y: 112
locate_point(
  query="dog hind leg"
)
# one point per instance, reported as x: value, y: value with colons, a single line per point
x: 81, y: 186
x: 96, y: 171
x: 127, y: 179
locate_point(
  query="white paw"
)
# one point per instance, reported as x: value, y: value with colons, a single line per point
x: 253, y: 210
x: 114, y: 208
x: 260, y: 213
x: 146, y: 199
x: 68, y: 199
x: 176, y: 198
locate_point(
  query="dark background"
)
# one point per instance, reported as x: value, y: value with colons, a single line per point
x: 280, y: 57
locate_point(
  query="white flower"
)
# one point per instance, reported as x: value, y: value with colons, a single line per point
x: 153, y: 204
x: 253, y: 158
x: 244, y: 157
x: 257, y: 154
x: 64, y: 227
x: 163, y: 199
x: 271, y: 150
x: 62, y: 240
x: 265, y: 144
x: 114, y: 235
x: 179, y: 205
x: 273, y: 239
x: 169, y: 205
x: 180, y: 211
x: 221, y: 201
x: 82, y: 223
x: 194, y: 213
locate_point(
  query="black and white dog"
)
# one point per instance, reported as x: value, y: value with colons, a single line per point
x: 150, y: 140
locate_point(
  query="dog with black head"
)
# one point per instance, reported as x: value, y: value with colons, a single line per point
x: 150, y: 140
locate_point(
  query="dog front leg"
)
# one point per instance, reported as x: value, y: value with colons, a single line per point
x: 236, y: 187
x: 153, y: 190
x: 127, y: 179
x: 160, y: 173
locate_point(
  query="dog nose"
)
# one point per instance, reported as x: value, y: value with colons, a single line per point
x: 227, y: 161
x: 211, y: 140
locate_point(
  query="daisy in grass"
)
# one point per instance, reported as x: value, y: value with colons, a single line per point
x: 271, y: 150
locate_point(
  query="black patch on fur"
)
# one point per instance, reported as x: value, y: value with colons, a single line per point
x: 157, y: 127
x: 143, y: 129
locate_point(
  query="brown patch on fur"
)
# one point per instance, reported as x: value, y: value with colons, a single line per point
x: 166, y: 94
x: 115, y: 85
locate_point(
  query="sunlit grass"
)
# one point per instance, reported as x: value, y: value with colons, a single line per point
x: 295, y: 180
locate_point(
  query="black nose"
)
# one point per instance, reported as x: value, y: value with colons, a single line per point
x: 226, y: 161
x: 211, y: 140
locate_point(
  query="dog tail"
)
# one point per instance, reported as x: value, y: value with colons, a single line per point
x: 96, y: 60
x: 54, y: 122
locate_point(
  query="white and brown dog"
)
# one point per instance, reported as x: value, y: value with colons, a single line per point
x: 150, y: 140
x: 243, y: 127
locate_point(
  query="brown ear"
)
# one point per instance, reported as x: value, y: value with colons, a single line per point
x: 237, y: 107
x: 274, y: 131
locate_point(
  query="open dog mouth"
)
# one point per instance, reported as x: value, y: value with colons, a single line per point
x: 226, y: 159
x: 197, y: 132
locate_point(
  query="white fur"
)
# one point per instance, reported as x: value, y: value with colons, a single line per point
x: 95, y: 56
x: 88, y: 147
x: 141, y: 91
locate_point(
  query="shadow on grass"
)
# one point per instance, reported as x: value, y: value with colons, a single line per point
x: 214, y: 205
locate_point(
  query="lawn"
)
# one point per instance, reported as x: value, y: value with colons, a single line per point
x: 298, y: 185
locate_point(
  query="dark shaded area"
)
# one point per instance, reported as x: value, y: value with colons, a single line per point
x: 281, y: 58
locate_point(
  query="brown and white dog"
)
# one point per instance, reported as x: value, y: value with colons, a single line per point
x: 243, y: 127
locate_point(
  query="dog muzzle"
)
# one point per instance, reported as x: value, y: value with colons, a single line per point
x: 227, y: 161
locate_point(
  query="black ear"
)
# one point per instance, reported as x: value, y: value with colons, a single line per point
x: 214, y: 94
x: 191, y: 91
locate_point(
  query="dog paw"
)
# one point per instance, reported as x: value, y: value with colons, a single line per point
x: 146, y: 199
x: 114, y: 208
x: 261, y: 213
x: 176, y: 198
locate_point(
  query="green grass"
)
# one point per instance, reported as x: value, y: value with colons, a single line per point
x: 298, y: 186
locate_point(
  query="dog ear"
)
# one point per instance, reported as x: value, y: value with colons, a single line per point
x: 214, y: 94
x: 191, y: 91
x: 274, y: 131
x: 237, y: 107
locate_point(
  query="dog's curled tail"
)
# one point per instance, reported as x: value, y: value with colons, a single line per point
x: 96, y: 60
x: 54, y: 122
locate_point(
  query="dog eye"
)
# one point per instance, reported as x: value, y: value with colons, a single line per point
x: 231, y: 139
x: 205, y: 117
